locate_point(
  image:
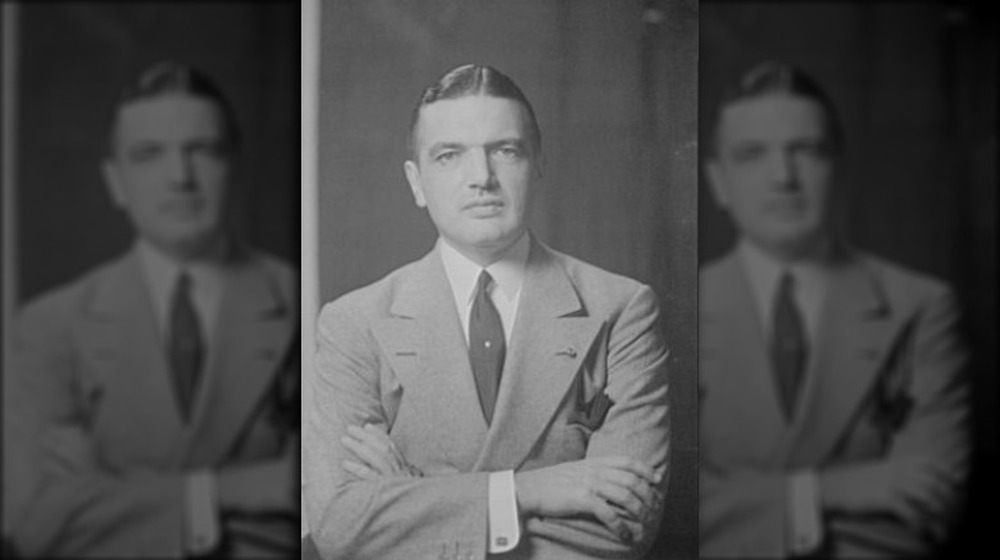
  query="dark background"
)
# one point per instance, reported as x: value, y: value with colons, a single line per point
x: 916, y: 87
x: 74, y: 57
x: 614, y: 87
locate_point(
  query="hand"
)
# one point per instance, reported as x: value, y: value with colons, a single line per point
x: 376, y: 455
x: 68, y: 451
x: 613, y: 489
x: 261, y: 487
x: 899, y: 486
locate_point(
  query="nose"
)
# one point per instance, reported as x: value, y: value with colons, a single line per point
x: 479, y: 170
x: 784, y: 171
x: 181, y: 170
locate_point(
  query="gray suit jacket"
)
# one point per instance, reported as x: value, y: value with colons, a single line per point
x: 885, y: 383
x: 393, y: 354
x: 96, y: 451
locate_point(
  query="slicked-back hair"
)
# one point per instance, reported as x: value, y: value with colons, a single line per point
x: 773, y: 77
x: 468, y: 80
x: 170, y: 78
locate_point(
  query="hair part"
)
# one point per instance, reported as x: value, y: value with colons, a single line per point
x: 173, y: 78
x: 773, y: 77
x: 469, y: 80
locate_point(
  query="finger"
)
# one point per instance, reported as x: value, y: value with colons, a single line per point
x: 633, y: 466
x: 374, y: 458
x: 637, y: 486
x: 378, y: 436
x: 622, y: 498
x: 371, y: 438
x: 614, y: 522
x: 361, y: 471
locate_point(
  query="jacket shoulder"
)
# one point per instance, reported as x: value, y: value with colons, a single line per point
x: 375, y: 298
x: 57, y: 308
x: 597, y: 286
x: 902, y: 284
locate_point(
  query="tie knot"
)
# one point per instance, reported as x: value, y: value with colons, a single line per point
x: 485, y: 283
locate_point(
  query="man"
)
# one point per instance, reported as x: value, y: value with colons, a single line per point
x: 152, y: 403
x: 494, y: 397
x: 833, y: 406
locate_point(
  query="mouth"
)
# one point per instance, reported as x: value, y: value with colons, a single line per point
x: 786, y: 207
x: 182, y: 208
x: 484, y: 208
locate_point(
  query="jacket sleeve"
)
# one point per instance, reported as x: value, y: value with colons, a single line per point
x: 637, y: 426
x: 747, y: 512
x: 391, y: 517
x: 930, y: 402
x: 66, y: 502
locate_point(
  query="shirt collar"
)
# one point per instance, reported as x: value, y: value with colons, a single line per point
x: 765, y: 271
x: 507, y: 272
x: 163, y: 269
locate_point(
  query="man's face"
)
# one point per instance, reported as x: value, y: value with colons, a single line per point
x: 169, y: 171
x: 773, y: 171
x: 475, y: 171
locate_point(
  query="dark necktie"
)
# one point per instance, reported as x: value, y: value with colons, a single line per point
x: 788, y: 344
x: 486, y: 345
x: 185, y: 347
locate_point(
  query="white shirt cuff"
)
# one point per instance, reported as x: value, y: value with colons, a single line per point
x: 504, y: 525
x: 805, y: 529
x: 202, y: 522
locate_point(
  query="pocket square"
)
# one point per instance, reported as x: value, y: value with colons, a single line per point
x: 592, y: 414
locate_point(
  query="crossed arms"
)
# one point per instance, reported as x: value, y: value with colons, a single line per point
x: 365, y: 499
x: 900, y: 503
x: 65, y: 496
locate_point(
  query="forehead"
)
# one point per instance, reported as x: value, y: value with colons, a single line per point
x: 777, y: 116
x: 168, y: 117
x: 472, y: 119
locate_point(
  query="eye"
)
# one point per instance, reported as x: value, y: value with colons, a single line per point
x: 509, y: 153
x: 446, y: 157
x: 747, y: 153
x: 209, y: 149
x: 815, y: 150
x: 144, y: 153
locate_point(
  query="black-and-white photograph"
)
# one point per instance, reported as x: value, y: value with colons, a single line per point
x: 504, y: 316
x: 847, y: 241
x: 151, y: 379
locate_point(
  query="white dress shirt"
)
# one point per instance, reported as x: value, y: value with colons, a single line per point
x: 504, y: 530
x: 161, y: 273
x: 805, y: 532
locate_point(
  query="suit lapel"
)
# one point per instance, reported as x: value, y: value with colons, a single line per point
x: 251, y: 337
x: 423, y: 340
x: 123, y: 340
x: 854, y: 334
x: 551, y: 340
x: 737, y: 369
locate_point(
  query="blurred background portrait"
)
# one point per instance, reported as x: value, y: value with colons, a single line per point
x: 150, y: 285
x: 847, y: 241
x: 613, y: 87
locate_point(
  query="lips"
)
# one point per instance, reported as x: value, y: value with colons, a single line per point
x: 786, y: 206
x: 182, y: 207
x: 492, y: 203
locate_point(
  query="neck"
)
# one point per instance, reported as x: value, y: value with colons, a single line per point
x: 814, y: 250
x: 210, y: 250
x: 485, y: 256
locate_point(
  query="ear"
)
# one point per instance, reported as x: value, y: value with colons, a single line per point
x: 114, y: 183
x: 717, y: 182
x: 413, y: 178
x: 538, y: 166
